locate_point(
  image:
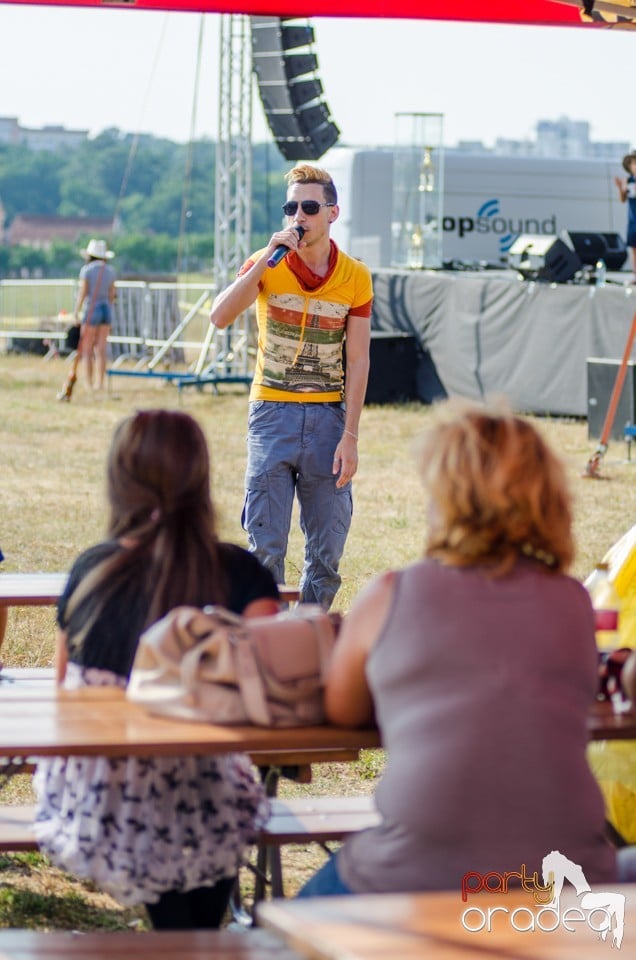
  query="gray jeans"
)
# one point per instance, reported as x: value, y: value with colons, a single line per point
x: 290, y: 448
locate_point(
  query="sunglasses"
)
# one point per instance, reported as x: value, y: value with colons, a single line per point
x: 310, y: 207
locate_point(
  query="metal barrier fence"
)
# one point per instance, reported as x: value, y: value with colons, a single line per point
x: 156, y: 327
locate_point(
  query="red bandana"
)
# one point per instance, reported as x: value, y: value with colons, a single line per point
x: 306, y: 277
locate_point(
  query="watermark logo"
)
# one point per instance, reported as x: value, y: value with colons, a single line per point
x: 603, y: 912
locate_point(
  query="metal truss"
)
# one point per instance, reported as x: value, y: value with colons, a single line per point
x: 233, y: 193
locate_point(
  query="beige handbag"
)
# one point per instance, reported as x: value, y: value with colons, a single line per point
x: 213, y: 665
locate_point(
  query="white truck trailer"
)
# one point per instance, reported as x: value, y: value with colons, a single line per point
x: 488, y: 201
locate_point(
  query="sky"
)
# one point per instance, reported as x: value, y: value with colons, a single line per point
x: 92, y: 69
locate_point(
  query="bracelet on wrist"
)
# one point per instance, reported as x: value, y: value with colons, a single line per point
x: 354, y: 435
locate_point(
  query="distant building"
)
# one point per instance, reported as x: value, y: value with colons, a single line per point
x: 50, y: 138
x: 562, y: 138
x: 515, y: 148
x: 9, y: 131
x: 472, y: 146
x: 571, y: 139
x: 41, y: 232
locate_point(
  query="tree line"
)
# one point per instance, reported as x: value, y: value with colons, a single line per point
x: 161, y: 192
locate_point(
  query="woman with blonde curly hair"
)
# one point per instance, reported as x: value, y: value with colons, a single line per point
x: 497, y: 492
x: 479, y: 665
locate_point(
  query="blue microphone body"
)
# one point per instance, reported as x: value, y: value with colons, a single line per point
x: 281, y: 250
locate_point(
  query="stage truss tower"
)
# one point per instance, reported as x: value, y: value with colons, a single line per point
x: 233, y: 187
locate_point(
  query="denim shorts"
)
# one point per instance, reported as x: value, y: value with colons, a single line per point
x: 102, y: 314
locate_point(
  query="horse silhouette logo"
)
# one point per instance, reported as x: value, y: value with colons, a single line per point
x: 557, y: 869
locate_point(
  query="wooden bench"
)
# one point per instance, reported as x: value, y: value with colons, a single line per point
x: 16, y: 827
x: 158, y: 945
x: 317, y: 819
x: 305, y: 820
x: 294, y: 821
x: 301, y: 820
x: 29, y: 674
x: 294, y: 765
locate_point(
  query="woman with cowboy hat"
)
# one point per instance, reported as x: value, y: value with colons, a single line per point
x: 97, y: 290
x: 627, y: 191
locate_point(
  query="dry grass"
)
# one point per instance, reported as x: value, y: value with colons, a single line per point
x: 53, y: 506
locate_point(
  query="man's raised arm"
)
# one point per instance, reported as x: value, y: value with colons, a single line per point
x: 240, y: 295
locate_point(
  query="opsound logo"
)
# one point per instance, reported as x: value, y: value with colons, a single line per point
x: 602, y: 912
x: 489, y: 219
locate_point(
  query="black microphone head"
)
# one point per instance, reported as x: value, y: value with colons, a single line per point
x: 281, y: 251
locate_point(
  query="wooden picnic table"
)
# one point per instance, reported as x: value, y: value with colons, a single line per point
x: 433, y: 926
x: 603, y: 723
x: 121, y: 720
x: 44, y: 589
x: 157, y: 945
x: 31, y: 589
x: 41, y: 720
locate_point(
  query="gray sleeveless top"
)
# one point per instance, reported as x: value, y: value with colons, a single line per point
x: 94, y: 272
x: 482, y: 687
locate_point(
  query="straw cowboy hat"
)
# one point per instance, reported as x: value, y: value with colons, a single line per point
x: 627, y: 159
x: 97, y: 249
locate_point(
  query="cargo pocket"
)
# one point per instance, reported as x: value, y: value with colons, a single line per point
x: 256, y: 513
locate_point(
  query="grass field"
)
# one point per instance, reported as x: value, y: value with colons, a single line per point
x: 52, y: 461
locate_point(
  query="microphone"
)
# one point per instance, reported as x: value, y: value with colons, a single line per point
x: 281, y: 250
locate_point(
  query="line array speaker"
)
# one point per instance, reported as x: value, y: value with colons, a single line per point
x: 286, y: 66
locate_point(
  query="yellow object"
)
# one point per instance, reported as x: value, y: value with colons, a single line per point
x: 607, y: 607
x: 613, y: 762
x: 621, y: 558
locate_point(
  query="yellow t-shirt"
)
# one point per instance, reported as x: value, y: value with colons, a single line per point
x: 302, y: 320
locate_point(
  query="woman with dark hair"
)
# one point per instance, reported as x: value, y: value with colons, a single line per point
x: 168, y: 832
x: 479, y: 665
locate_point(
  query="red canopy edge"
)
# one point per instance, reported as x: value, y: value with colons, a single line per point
x: 539, y: 12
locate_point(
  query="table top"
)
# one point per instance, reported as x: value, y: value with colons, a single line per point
x: 39, y: 720
x: 436, y: 926
x: 147, y: 945
x: 604, y: 724
x: 31, y: 589
x: 37, y: 685
x: 44, y: 589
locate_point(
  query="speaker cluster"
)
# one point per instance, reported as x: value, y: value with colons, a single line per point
x: 546, y: 258
x: 592, y: 247
x: 286, y: 68
x: 566, y: 258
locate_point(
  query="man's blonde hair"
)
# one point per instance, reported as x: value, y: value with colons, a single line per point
x: 306, y: 173
x: 498, y: 491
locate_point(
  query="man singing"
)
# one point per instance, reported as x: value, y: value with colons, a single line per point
x: 304, y: 413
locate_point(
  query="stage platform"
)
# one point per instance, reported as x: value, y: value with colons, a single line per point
x: 492, y: 332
